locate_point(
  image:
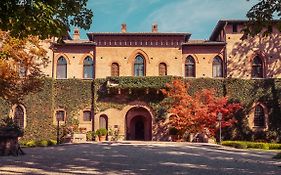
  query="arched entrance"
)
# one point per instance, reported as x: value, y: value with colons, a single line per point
x: 138, y: 124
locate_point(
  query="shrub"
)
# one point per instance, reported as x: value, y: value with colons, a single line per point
x: 255, y: 145
x: 31, y: 143
x: 274, y: 146
x: 42, y: 143
x: 101, y: 132
x: 52, y: 142
x: 90, y: 135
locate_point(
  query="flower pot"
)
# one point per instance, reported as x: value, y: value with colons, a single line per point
x: 102, y: 138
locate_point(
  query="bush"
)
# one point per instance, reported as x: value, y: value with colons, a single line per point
x: 31, y: 143
x: 274, y: 146
x: 101, y: 132
x: 52, y: 142
x: 255, y: 145
x: 42, y: 143
x: 90, y: 135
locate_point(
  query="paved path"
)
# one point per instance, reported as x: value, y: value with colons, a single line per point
x: 141, y: 158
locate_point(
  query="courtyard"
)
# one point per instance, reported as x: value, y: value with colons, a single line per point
x: 141, y: 158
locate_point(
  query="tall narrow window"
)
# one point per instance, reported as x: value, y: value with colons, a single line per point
x: 115, y: 69
x: 234, y: 28
x: 88, y: 68
x: 217, y: 67
x: 60, y: 115
x: 259, y: 119
x: 103, y: 122
x: 162, y: 69
x: 257, y: 68
x: 189, y: 67
x: 139, y: 66
x: 86, y: 116
x: 19, y: 116
x: 62, y: 68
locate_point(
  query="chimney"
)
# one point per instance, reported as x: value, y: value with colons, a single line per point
x: 123, y: 28
x: 76, y: 34
x: 154, y: 28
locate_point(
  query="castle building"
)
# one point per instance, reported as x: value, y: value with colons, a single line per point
x: 155, y: 54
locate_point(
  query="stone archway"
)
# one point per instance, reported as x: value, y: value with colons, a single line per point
x: 138, y: 124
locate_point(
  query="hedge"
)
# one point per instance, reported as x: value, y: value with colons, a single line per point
x: 255, y: 145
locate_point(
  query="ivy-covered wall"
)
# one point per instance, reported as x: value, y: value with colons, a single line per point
x: 74, y: 95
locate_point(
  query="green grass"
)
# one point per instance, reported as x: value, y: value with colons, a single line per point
x: 253, y: 145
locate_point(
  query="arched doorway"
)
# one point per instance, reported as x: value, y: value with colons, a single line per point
x: 138, y: 124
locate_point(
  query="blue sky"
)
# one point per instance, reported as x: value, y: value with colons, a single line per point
x: 198, y: 17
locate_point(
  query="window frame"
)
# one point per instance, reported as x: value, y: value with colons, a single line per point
x: 87, y: 65
x: 138, y: 65
x: 221, y: 65
x: 255, y: 66
x: 187, y: 65
x: 165, y: 69
x: 259, y: 120
x: 63, y: 65
x: 114, y: 71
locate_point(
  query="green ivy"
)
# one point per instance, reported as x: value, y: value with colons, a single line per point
x: 74, y: 95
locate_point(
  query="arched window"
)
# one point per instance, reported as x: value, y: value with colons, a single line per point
x: 88, y: 68
x: 115, y: 69
x: 103, y: 122
x: 162, y: 69
x: 217, y: 67
x: 19, y: 116
x: 259, y: 118
x: 61, y: 68
x: 257, y: 67
x: 60, y: 115
x: 189, y: 67
x: 139, y: 66
x: 87, y: 116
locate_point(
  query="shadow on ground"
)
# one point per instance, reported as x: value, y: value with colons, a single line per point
x: 125, y: 158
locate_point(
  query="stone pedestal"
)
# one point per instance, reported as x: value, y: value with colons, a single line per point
x: 8, y: 143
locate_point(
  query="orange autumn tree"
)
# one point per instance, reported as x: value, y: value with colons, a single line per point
x: 21, y: 63
x: 197, y: 113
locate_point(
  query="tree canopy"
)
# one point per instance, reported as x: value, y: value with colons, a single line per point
x: 23, y: 26
x: 263, y: 16
x: 197, y: 113
x: 43, y: 18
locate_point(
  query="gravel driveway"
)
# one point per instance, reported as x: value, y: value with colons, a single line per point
x: 141, y: 158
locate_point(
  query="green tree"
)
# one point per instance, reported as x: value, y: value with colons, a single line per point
x: 43, y: 18
x: 263, y: 16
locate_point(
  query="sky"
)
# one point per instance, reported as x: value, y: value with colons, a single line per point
x: 197, y: 17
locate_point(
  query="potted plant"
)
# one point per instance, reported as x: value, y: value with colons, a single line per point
x: 173, y: 132
x: 91, y: 135
x: 101, y: 133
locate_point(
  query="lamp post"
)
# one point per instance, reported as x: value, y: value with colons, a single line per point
x: 219, y: 119
x: 59, y: 117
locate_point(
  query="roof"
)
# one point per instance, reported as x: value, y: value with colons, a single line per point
x: 91, y: 34
x: 222, y: 23
x: 202, y: 43
x: 76, y: 42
